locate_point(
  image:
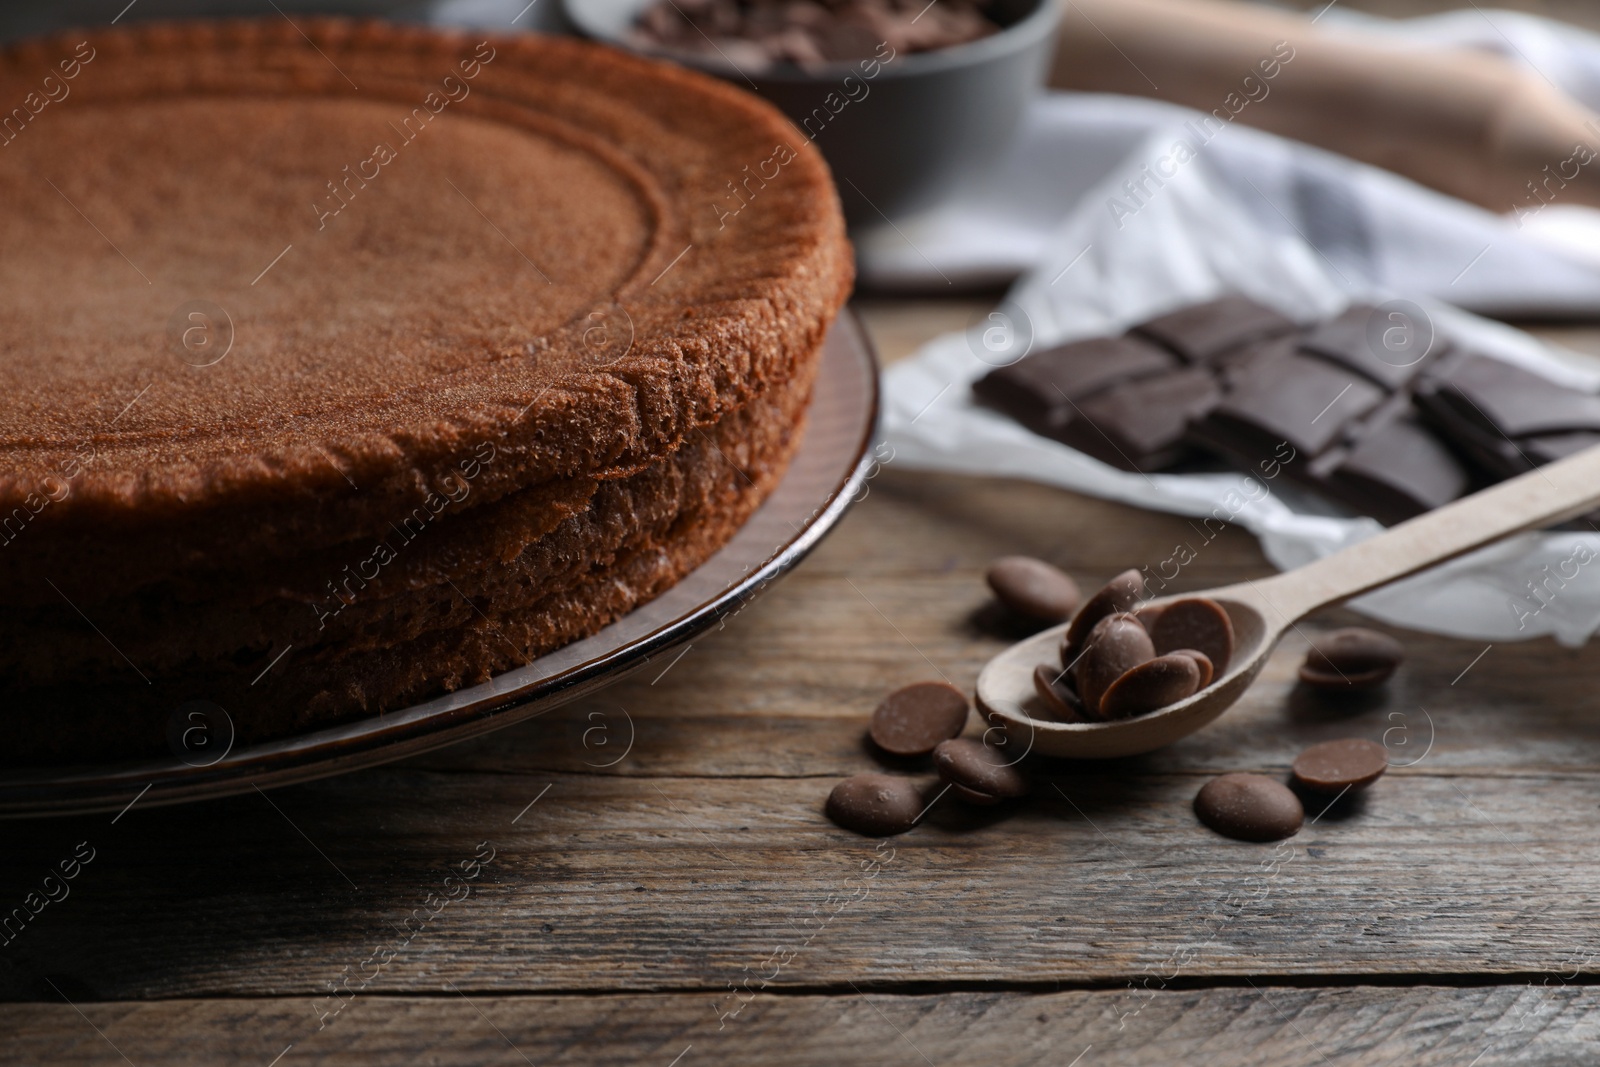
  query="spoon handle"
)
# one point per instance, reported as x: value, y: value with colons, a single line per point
x: 1541, y: 497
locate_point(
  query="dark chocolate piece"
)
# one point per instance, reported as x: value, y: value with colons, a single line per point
x: 1389, y: 424
x: 1199, y: 623
x: 1033, y: 589
x: 1116, y: 645
x: 913, y: 719
x: 1202, y: 661
x: 1508, y: 419
x: 1352, y: 763
x: 1042, y: 390
x: 981, y: 773
x: 1279, y: 394
x: 1118, y: 595
x: 1141, y: 426
x: 1354, y: 340
x: 1054, y: 687
x: 1152, y: 684
x: 1249, y: 807
x: 875, y: 804
x: 1396, y: 470
x: 1201, y: 333
x: 1339, y: 420
x: 1350, y: 659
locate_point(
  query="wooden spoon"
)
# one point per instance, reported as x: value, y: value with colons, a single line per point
x: 1262, y: 610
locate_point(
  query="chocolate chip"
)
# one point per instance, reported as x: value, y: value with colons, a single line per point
x: 1119, y: 594
x: 1147, y: 614
x: 1201, y: 660
x: 972, y: 797
x: 875, y: 804
x: 1151, y: 685
x: 1052, y: 685
x: 1249, y: 807
x: 1351, y: 658
x: 980, y: 773
x: 1334, y: 766
x: 912, y: 720
x: 1198, y: 623
x: 1033, y: 589
x: 1116, y: 645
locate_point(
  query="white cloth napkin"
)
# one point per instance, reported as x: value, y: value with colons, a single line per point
x: 1288, y: 225
x: 1381, y: 229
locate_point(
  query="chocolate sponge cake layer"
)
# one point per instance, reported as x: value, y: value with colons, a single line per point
x: 362, y: 595
x: 536, y: 264
x: 639, y: 536
x: 412, y: 353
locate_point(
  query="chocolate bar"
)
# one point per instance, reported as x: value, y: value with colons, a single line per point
x: 1386, y: 421
x: 1128, y: 401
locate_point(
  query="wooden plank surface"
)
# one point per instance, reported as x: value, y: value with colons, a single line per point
x: 1262, y: 1026
x: 659, y: 858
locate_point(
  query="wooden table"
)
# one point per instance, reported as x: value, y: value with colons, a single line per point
x: 679, y: 900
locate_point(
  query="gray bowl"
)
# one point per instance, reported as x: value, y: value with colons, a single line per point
x: 917, y: 129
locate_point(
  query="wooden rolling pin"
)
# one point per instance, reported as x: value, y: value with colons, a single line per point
x: 1465, y: 122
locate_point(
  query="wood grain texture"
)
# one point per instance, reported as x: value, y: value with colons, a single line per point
x: 620, y: 883
x: 1266, y: 1026
x: 674, y: 859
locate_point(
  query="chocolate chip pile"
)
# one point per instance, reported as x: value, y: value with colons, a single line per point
x: 1117, y: 662
x: 914, y: 723
x: 1121, y: 656
x: 1367, y: 408
x: 754, y: 35
x: 1253, y: 807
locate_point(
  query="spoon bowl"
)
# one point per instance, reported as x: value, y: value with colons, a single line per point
x: 1262, y: 610
x: 1006, y: 694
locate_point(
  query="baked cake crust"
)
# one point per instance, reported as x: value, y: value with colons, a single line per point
x: 398, y: 335
x: 497, y: 339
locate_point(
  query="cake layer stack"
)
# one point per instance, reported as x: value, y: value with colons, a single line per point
x: 346, y: 364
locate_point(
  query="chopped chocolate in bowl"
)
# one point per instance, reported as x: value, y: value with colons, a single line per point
x: 911, y: 103
x: 755, y: 35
